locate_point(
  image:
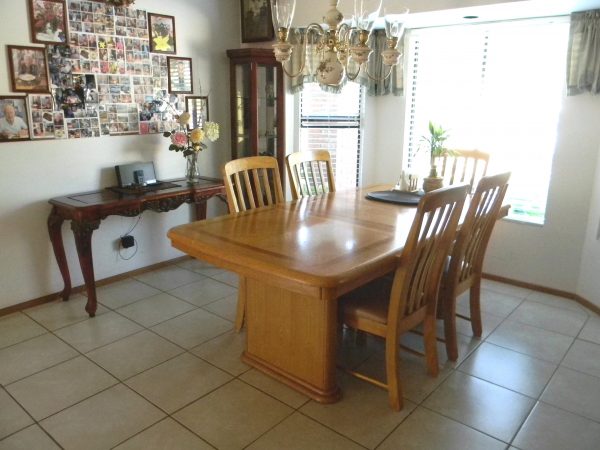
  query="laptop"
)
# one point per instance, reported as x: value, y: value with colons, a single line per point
x: 136, y: 174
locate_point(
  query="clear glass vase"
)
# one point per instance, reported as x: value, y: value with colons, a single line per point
x: 192, y: 169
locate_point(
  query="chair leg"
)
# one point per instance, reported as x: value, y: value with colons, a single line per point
x: 393, y: 377
x: 429, y: 336
x: 450, y: 326
x: 241, y: 305
x: 475, y: 306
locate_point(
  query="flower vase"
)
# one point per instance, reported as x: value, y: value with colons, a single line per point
x: 192, y: 169
x: 433, y: 181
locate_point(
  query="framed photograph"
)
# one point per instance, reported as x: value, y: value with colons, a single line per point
x: 198, y: 109
x: 48, y: 21
x: 162, y: 33
x: 14, y: 124
x: 257, y: 24
x: 28, y: 69
x: 44, y: 121
x: 180, y: 75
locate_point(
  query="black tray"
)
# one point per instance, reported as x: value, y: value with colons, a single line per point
x: 398, y: 197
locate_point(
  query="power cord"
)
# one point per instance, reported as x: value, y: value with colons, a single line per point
x: 134, y: 240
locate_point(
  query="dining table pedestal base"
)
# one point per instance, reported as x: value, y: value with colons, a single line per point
x: 291, y: 336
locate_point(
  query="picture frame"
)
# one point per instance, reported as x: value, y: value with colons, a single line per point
x: 197, y: 106
x: 14, y: 120
x: 180, y: 76
x: 161, y: 30
x: 48, y: 21
x: 45, y: 121
x: 28, y: 69
x: 257, y: 23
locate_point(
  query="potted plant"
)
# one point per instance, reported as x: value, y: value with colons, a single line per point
x: 435, y: 142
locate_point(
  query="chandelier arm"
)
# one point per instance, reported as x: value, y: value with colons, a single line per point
x: 313, y: 27
x: 294, y: 75
x: 376, y: 78
x: 354, y: 76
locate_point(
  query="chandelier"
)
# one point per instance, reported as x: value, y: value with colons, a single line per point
x: 341, y: 48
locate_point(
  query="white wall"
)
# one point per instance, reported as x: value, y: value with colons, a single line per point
x: 32, y: 172
x: 551, y: 255
x: 589, y: 281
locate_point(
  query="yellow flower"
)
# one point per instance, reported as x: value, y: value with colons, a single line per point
x: 161, y: 43
x: 196, y: 135
x: 184, y: 118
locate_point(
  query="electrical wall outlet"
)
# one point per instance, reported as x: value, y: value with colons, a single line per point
x: 127, y: 241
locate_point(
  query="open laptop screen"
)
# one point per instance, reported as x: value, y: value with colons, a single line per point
x: 136, y: 174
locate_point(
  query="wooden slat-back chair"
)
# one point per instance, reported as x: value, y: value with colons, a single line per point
x: 387, y: 308
x: 462, y: 166
x: 310, y: 173
x: 466, y: 260
x: 250, y: 183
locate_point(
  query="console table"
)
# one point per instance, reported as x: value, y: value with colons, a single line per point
x: 85, y: 211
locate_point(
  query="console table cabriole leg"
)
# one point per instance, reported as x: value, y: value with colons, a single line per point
x: 200, y: 205
x: 83, y: 241
x: 55, y: 222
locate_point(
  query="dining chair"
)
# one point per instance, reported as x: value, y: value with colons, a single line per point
x: 250, y: 183
x: 390, y: 307
x: 310, y: 173
x: 466, y: 259
x: 462, y: 166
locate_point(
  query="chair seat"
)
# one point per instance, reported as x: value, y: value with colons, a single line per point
x: 369, y: 302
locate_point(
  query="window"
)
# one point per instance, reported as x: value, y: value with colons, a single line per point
x: 332, y: 122
x: 495, y: 87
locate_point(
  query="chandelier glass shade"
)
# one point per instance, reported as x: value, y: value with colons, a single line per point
x: 340, y: 47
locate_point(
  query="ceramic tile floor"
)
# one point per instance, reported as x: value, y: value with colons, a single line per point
x: 159, y: 367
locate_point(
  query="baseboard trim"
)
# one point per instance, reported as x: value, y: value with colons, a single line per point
x: 78, y: 289
x: 546, y: 290
x: 51, y: 297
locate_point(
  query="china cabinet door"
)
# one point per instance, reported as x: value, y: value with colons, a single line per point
x: 257, y: 105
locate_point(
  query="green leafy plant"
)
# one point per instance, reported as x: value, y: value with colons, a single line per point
x: 435, y: 143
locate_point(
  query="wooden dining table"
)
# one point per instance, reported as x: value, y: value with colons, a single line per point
x: 296, y: 259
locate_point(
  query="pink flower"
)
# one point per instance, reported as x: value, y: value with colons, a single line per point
x: 179, y: 138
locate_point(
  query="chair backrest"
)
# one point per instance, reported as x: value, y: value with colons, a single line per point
x: 462, y: 166
x: 310, y: 173
x: 252, y: 182
x: 473, y: 237
x: 418, y: 275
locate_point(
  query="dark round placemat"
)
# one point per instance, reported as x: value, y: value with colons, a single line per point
x: 398, y: 197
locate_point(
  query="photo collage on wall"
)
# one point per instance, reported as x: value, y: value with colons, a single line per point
x: 104, y: 79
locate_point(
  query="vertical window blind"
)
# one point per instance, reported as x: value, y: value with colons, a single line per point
x: 332, y: 122
x: 497, y: 88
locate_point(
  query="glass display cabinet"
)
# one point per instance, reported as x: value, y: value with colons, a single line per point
x: 257, y: 105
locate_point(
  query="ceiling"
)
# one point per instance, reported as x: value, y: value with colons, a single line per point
x: 500, y: 11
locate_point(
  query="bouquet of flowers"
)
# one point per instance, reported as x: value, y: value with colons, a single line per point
x: 189, y: 141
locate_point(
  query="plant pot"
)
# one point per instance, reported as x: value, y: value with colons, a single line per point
x: 432, y: 183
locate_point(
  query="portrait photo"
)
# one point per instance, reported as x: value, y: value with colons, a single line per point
x: 257, y: 24
x: 28, y: 69
x: 197, y: 106
x: 48, y: 21
x: 14, y: 125
x: 162, y: 33
x: 180, y: 75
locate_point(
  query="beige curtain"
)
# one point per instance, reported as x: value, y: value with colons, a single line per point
x: 391, y: 85
x: 376, y: 85
x: 583, y: 57
x: 312, y: 61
